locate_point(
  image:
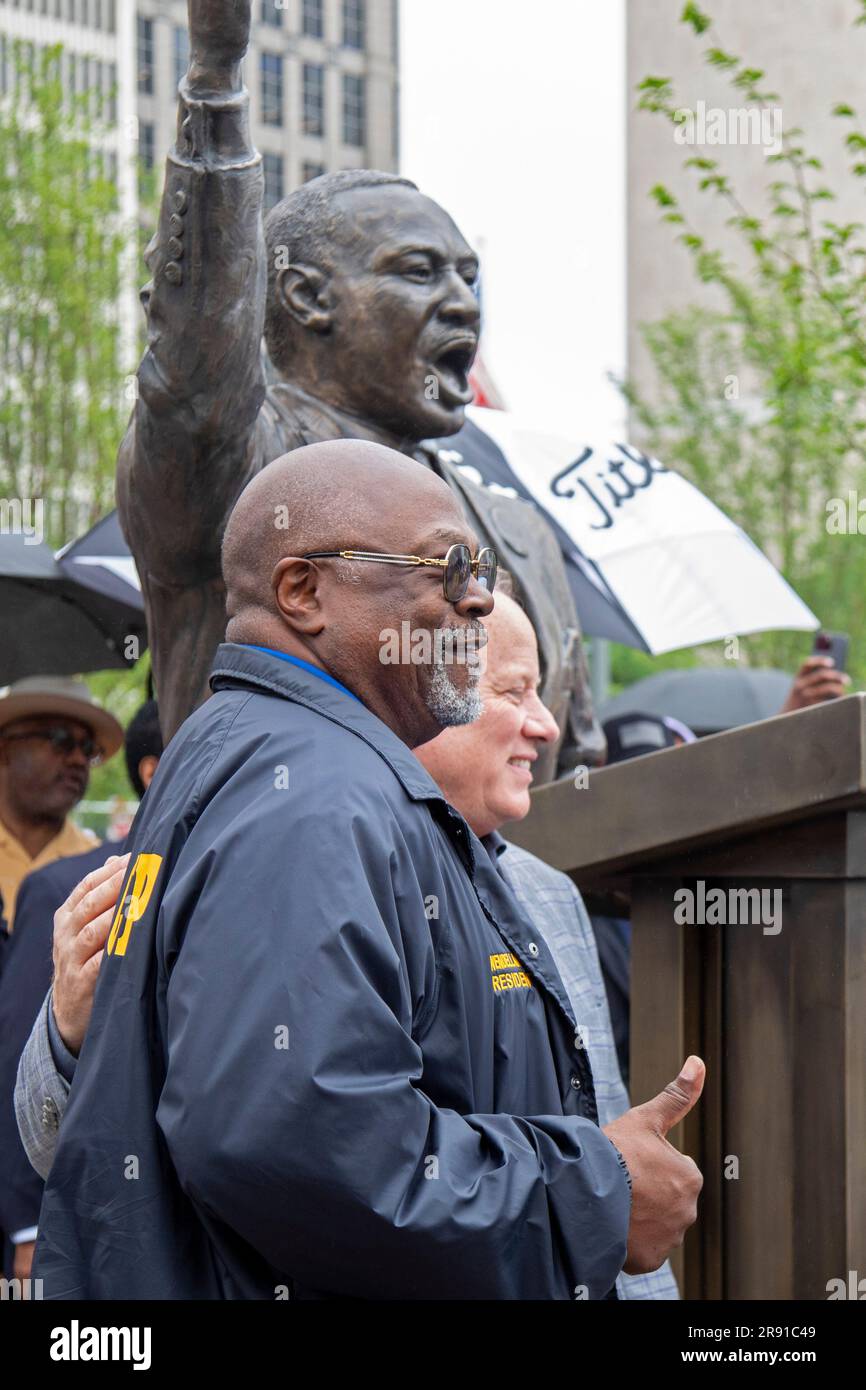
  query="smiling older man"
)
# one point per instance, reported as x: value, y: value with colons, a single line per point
x: 485, y: 770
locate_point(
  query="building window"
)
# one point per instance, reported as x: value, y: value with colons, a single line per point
x: 146, y: 159
x: 272, y: 165
x: 111, y: 24
x: 314, y: 99
x: 146, y: 144
x: 311, y: 170
x: 144, y: 29
x: 112, y: 93
x: 353, y: 23
x: 181, y: 53
x: 312, y: 19
x: 354, y: 112
x: 272, y: 89
x: 272, y: 13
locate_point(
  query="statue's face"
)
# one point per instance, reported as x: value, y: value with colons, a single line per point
x: 405, y: 313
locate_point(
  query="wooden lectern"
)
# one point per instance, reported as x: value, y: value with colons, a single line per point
x: 780, y: 1019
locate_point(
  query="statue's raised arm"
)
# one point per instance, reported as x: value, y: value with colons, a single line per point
x: 188, y: 450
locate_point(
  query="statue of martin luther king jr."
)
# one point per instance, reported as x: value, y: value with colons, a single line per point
x: 366, y: 295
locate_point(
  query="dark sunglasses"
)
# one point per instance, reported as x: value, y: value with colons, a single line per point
x: 63, y: 741
x: 458, y: 566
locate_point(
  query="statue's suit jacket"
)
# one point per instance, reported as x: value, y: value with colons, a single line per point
x: 206, y: 420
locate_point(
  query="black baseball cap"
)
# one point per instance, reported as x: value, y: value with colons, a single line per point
x: 632, y: 735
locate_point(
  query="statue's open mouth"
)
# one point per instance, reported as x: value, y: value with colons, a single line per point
x: 451, y: 365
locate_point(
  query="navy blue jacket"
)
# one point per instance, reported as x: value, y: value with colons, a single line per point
x: 327, y: 1053
x: 23, y: 986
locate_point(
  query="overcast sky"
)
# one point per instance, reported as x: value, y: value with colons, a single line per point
x: 513, y: 117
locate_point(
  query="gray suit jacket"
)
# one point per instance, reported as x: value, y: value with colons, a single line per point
x: 41, y: 1094
x: 557, y: 910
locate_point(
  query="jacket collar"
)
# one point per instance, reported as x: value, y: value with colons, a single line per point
x: 236, y: 664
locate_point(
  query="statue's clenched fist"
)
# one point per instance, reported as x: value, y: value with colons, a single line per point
x: 219, y: 35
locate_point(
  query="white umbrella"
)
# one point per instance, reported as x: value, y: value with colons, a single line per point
x: 681, y: 570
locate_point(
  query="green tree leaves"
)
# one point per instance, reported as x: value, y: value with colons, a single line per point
x: 62, y: 406
x: 760, y: 394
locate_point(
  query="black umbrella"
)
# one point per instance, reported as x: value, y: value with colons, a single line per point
x: 100, y: 561
x: 53, y: 621
x: 708, y: 699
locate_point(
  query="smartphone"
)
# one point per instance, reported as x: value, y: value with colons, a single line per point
x: 834, y: 645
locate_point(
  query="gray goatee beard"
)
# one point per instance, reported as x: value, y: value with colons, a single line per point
x: 450, y: 706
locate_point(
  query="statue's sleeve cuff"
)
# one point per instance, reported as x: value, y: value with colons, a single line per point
x: 214, y: 131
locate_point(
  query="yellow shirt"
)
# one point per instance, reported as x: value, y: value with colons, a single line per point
x: 15, y: 862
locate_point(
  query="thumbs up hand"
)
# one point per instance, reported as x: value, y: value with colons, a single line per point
x: 665, y: 1183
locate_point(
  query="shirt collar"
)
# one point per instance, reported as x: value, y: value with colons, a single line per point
x: 305, y: 665
x: 68, y: 840
x: 496, y: 845
x: 240, y: 664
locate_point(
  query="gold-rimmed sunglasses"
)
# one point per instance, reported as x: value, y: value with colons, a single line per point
x: 458, y: 565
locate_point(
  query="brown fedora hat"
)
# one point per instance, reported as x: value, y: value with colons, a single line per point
x: 63, y: 697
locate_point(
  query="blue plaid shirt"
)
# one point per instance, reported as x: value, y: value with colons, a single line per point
x: 556, y: 909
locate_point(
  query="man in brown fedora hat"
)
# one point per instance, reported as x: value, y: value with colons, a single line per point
x: 51, y: 732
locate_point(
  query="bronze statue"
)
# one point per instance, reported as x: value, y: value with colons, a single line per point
x: 364, y: 290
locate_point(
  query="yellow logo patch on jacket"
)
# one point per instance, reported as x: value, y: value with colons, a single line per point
x: 508, y: 973
x: 133, y: 901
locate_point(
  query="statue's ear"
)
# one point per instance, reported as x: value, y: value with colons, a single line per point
x: 304, y: 293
